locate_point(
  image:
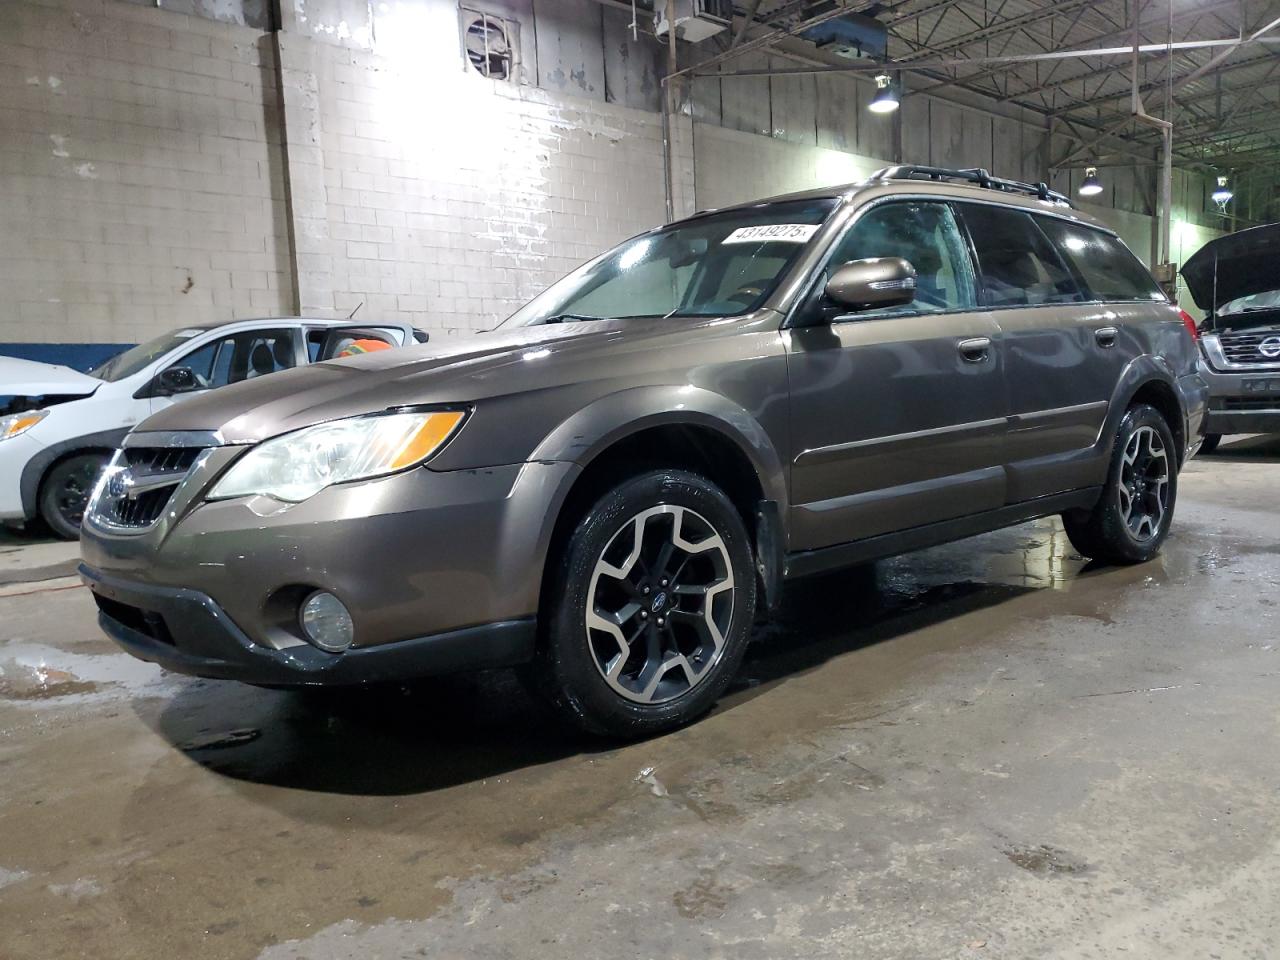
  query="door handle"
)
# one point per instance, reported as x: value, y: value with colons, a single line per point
x: 1106, y: 336
x: 975, y: 350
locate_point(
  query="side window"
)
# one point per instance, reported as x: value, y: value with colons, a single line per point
x: 926, y: 235
x: 1018, y: 264
x: 1109, y: 270
x: 241, y: 356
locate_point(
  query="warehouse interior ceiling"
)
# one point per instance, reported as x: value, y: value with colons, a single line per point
x: 1212, y: 67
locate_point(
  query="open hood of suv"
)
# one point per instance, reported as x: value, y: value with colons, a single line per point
x: 1245, y: 263
x: 28, y: 378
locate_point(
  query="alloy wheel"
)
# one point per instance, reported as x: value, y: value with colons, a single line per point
x: 660, y: 604
x: 1144, y: 483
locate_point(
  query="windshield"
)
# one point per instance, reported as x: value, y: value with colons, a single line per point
x: 136, y: 358
x: 719, y: 265
x: 1270, y: 300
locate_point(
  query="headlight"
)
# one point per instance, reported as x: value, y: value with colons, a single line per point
x: 17, y: 423
x: 299, y: 465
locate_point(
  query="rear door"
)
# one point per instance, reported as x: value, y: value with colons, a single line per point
x: 1063, y: 353
x: 897, y: 415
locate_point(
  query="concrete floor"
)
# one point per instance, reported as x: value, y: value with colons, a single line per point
x: 984, y: 750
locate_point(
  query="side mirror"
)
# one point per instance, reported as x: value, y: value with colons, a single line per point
x: 879, y: 282
x: 176, y: 380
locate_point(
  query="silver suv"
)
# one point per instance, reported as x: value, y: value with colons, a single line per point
x: 608, y: 489
x: 1236, y: 281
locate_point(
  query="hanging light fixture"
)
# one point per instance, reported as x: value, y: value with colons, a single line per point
x: 1092, y: 186
x: 1222, y: 193
x: 886, y: 98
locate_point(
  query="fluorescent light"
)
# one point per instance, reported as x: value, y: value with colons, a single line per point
x: 1092, y: 186
x: 886, y: 98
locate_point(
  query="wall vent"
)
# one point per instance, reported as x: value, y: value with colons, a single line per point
x: 490, y: 44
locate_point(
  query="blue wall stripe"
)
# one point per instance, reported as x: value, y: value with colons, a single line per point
x: 77, y: 356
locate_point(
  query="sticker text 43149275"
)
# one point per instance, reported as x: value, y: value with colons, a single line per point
x: 779, y: 232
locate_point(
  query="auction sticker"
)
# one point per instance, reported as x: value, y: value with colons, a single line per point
x: 782, y: 232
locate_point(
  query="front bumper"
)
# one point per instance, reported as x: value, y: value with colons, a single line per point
x: 441, y: 571
x: 185, y: 631
x: 1232, y: 409
x: 15, y: 454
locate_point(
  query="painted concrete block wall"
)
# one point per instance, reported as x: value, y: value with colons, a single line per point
x: 140, y: 173
x: 450, y: 199
x: 732, y: 167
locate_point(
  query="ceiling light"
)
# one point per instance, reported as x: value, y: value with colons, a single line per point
x: 1092, y: 186
x: 1222, y: 193
x: 886, y: 98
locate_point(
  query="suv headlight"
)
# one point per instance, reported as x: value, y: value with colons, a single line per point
x: 299, y: 465
x: 16, y: 423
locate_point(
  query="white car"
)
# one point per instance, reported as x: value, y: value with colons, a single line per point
x: 58, y: 427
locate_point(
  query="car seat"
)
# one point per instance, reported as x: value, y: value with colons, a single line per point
x: 261, y: 361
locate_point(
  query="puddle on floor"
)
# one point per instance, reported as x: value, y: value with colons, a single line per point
x: 35, y: 673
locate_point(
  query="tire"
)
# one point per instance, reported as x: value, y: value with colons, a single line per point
x: 658, y: 665
x: 1211, y: 441
x: 1132, y: 517
x: 65, y: 492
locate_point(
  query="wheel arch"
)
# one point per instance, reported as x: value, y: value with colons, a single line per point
x: 38, y: 467
x: 1149, y: 379
x: 678, y: 428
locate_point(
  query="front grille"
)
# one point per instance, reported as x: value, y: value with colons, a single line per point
x: 140, y: 483
x: 1251, y: 403
x: 1245, y: 347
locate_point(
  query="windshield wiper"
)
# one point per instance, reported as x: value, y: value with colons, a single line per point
x: 564, y: 317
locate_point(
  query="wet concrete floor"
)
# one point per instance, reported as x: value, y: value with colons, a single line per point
x: 990, y: 749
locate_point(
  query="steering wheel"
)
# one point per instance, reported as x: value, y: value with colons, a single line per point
x: 747, y: 294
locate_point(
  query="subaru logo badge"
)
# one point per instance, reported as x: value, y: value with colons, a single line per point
x: 659, y: 602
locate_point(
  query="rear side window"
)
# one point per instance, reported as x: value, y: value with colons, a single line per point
x: 1109, y: 270
x: 1018, y: 265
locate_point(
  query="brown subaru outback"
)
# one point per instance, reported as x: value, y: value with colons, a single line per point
x: 608, y: 489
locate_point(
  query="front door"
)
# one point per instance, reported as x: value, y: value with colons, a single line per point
x: 897, y: 415
x: 232, y: 358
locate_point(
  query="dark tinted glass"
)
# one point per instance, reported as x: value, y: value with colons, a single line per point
x: 1109, y: 270
x: 1018, y: 264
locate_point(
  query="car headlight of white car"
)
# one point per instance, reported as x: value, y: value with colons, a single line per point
x: 17, y: 423
x: 299, y: 465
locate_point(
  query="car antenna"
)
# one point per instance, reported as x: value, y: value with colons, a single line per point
x: 356, y: 310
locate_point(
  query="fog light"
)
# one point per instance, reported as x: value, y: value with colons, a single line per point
x: 326, y: 622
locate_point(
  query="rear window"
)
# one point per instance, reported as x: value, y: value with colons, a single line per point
x: 1018, y: 265
x: 1108, y: 268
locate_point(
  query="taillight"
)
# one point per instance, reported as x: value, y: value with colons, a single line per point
x: 1190, y: 324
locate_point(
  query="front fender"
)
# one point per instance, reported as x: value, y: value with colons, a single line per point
x: 602, y: 423
x: 34, y: 471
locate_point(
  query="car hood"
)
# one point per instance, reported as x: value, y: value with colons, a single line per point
x: 461, y: 371
x: 29, y: 378
x: 1245, y: 263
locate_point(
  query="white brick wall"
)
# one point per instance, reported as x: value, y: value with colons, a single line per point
x: 451, y: 199
x: 140, y: 173
x: 143, y: 169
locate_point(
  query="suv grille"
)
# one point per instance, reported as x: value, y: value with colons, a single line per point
x: 1244, y: 347
x: 1251, y: 403
x: 141, y: 483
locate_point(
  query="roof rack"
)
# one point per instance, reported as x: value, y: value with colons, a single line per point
x: 974, y: 175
